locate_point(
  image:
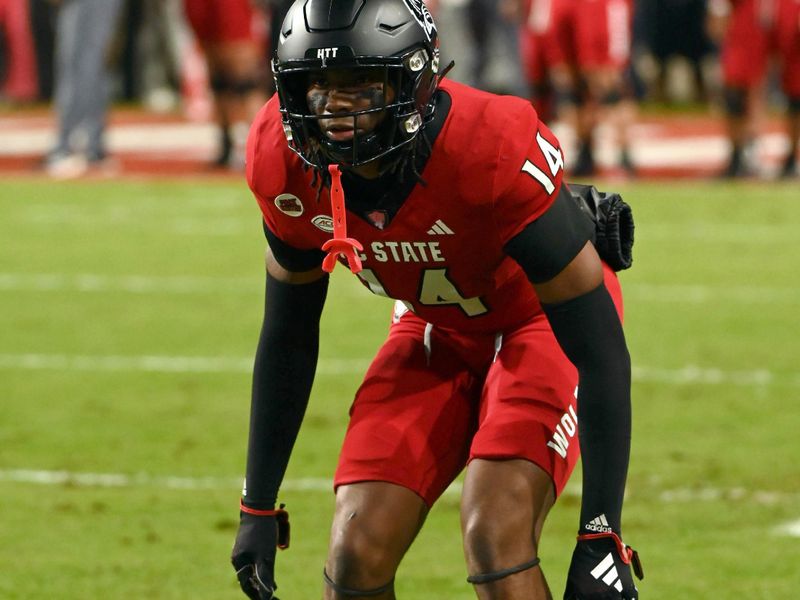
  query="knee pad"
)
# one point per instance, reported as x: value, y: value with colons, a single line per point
x: 218, y: 83
x: 539, y: 90
x: 343, y: 591
x: 236, y: 86
x: 611, y: 98
x: 735, y: 101
x: 566, y: 97
x: 243, y: 86
x: 793, y: 105
x: 495, y: 575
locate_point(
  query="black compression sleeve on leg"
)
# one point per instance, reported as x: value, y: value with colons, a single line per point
x: 283, y: 373
x: 590, y: 333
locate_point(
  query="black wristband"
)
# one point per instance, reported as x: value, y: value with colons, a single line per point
x: 590, y: 333
x: 285, y: 363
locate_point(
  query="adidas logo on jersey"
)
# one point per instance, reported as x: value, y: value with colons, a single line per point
x: 606, y: 571
x: 439, y: 228
x: 598, y: 524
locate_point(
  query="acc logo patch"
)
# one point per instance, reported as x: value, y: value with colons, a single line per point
x: 289, y: 204
x: 323, y: 222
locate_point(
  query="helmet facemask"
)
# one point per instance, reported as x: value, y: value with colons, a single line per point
x: 407, y: 82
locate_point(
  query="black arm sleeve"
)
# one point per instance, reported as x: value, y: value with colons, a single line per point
x: 590, y: 333
x: 285, y: 363
x: 291, y: 258
x: 549, y: 243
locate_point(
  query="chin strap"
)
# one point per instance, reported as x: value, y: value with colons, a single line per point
x: 340, y: 244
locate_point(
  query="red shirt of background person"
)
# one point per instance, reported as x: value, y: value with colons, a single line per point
x: 756, y: 30
x: 584, y: 33
x: 217, y: 21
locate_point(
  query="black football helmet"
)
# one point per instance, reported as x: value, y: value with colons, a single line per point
x: 397, y: 37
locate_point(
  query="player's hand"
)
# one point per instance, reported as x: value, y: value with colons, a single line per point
x: 601, y: 569
x: 260, y: 533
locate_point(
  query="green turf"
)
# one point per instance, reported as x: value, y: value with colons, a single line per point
x: 94, y: 276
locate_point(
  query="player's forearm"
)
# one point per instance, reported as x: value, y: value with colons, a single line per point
x: 283, y: 374
x: 591, y: 335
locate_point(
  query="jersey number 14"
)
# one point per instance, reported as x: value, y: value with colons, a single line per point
x: 555, y: 161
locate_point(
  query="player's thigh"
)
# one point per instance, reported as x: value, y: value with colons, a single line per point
x: 224, y: 21
x: 237, y: 58
x: 200, y: 15
x: 603, y: 33
x: 528, y: 404
x: 788, y: 46
x: 413, y: 416
x: 745, y: 48
x: 559, y: 42
x: 373, y: 527
x: 505, y: 502
x: 532, y: 51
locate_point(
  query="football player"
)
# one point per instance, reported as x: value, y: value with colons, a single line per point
x: 580, y: 49
x: 506, y: 346
x: 752, y: 32
x: 230, y: 33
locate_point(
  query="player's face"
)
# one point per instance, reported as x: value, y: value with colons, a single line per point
x: 337, y: 92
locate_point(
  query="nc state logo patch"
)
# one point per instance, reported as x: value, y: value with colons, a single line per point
x: 289, y: 204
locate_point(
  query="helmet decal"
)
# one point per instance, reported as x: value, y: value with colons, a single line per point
x: 422, y: 15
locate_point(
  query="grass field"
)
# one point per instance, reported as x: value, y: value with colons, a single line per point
x: 129, y: 312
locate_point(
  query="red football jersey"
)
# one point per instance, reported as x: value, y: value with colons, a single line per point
x: 494, y: 168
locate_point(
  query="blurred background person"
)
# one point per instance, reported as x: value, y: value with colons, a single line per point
x: 752, y: 34
x: 536, y: 18
x: 578, y: 51
x: 276, y: 10
x: 84, y: 29
x: 492, y: 30
x: 17, y: 53
x: 671, y: 35
x: 43, y: 17
x: 231, y: 34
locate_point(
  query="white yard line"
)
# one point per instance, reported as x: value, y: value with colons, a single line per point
x: 719, y: 233
x: 688, y: 375
x: 179, y: 284
x: 700, y: 294
x: 135, y: 284
x: 792, y: 529
x: 325, y: 485
x: 170, y: 482
x: 734, y: 494
x: 161, y: 364
x: 692, y: 374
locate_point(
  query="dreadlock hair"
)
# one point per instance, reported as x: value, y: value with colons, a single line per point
x: 408, y: 163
